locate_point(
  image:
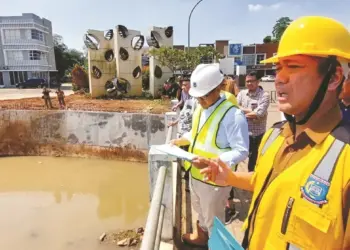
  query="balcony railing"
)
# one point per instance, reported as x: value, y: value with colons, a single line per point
x: 23, y: 42
x: 27, y: 63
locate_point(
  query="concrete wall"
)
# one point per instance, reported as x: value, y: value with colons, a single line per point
x: 137, y: 131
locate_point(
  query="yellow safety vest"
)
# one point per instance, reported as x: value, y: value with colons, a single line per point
x: 204, y: 139
x: 230, y: 97
x: 302, y: 207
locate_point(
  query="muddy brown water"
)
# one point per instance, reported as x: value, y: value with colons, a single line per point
x: 50, y: 203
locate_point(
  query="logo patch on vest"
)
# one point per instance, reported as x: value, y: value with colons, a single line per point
x: 315, y: 190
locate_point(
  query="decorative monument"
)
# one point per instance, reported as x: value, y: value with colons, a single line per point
x: 115, y: 61
x: 160, y: 37
x: 101, y: 60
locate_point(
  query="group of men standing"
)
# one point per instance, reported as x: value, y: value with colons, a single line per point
x: 217, y: 124
x: 298, y: 169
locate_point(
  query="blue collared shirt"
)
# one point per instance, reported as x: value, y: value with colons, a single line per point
x: 233, y: 133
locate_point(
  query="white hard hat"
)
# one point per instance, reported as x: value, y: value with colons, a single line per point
x: 205, y: 78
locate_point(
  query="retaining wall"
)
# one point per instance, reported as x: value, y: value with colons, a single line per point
x: 107, y: 129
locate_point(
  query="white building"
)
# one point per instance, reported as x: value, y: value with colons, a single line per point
x: 26, y: 49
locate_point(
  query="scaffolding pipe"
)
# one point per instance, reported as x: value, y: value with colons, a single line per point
x: 149, y: 238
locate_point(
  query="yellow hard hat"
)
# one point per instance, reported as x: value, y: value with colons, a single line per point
x: 315, y: 36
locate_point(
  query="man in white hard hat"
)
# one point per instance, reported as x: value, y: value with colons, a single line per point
x: 219, y: 131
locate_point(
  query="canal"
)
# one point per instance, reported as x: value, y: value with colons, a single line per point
x: 61, y: 203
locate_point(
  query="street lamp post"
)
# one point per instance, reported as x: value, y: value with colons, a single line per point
x: 189, y: 25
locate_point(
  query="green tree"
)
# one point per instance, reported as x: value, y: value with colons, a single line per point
x: 181, y: 60
x: 66, y: 58
x: 280, y: 26
x: 169, y: 57
x: 267, y: 39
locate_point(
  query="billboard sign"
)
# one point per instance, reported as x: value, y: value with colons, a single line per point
x: 235, y: 49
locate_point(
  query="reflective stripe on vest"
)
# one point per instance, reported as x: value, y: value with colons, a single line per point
x: 273, y: 136
x: 292, y: 247
x: 317, y: 185
x: 208, y: 143
x: 204, y: 138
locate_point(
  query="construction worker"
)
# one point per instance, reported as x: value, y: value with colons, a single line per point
x: 220, y: 131
x: 47, y: 98
x: 301, y: 183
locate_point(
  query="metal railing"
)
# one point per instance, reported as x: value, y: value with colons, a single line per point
x: 153, y: 230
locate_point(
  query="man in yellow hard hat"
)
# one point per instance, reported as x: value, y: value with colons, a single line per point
x: 301, y: 183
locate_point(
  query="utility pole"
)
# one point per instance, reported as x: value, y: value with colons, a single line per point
x: 189, y: 25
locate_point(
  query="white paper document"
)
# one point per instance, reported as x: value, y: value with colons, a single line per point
x: 174, y: 151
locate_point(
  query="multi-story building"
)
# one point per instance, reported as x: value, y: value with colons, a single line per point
x: 248, y: 55
x: 26, y: 49
x: 252, y: 55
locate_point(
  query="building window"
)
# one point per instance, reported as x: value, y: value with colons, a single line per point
x: 12, y: 34
x: 248, y: 59
x: 259, y: 57
x: 34, y: 55
x: 37, y: 35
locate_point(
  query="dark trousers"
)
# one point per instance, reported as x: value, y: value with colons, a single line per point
x: 232, y: 192
x: 254, y: 143
x: 61, y: 101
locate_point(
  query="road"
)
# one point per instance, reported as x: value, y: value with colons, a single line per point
x: 14, y: 93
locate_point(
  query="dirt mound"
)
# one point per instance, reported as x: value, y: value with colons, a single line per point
x: 84, y: 102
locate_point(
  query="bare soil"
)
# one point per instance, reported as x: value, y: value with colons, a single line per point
x: 86, y: 103
x: 16, y: 140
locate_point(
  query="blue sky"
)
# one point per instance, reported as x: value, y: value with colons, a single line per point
x: 236, y: 20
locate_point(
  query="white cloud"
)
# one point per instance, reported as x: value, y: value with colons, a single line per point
x: 255, y: 7
x: 259, y: 7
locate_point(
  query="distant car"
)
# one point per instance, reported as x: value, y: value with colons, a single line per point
x: 36, y: 83
x: 268, y: 78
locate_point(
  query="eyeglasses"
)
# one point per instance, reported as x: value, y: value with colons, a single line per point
x: 250, y: 81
